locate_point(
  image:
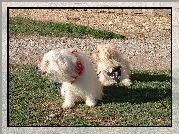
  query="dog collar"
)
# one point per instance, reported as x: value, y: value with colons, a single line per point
x: 115, y: 73
x: 78, y: 68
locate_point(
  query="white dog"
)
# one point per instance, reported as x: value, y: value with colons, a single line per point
x: 72, y: 68
x: 111, y: 65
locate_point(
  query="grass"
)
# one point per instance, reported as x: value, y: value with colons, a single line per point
x: 48, y: 28
x: 33, y: 101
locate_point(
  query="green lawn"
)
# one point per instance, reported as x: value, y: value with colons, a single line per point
x: 33, y: 101
x: 48, y: 28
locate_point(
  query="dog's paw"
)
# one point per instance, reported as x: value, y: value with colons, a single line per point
x: 66, y: 105
x: 126, y: 82
x: 90, y: 103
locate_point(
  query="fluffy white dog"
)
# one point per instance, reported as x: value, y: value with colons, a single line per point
x: 111, y: 65
x: 72, y: 68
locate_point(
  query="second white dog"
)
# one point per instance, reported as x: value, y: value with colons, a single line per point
x: 72, y: 68
x: 111, y: 65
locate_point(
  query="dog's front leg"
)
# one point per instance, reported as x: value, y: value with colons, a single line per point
x: 69, y: 99
x: 104, y: 79
x: 90, y: 100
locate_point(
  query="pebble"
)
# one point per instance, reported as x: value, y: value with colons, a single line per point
x: 141, y: 55
x: 147, y: 45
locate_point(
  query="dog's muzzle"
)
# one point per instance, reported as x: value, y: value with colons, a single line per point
x: 41, y: 72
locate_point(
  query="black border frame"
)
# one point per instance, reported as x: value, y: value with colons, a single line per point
x: 8, y: 8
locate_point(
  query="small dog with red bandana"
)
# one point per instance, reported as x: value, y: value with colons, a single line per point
x: 71, y: 67
x: 111, y: 66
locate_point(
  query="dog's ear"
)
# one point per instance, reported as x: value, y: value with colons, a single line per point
x: 112, y: 54
x: 59, y: 59
x: 62, y: 65
x: 95, y: 54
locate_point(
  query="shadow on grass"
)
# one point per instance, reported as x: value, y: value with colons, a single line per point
x: 147, y: 77
x: 145, y: 88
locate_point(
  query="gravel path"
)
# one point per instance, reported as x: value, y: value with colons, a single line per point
x: 147, y: 46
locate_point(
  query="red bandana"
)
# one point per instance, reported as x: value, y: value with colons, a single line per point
x: 79, y: 67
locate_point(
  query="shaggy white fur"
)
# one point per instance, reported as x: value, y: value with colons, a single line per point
x: 106, y: 58
x: 72, y: 68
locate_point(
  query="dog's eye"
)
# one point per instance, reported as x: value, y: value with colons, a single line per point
x: 46, y: 62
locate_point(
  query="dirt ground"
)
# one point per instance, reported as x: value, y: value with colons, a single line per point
x: 147, y: 44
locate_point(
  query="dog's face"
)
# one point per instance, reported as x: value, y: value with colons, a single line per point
x: 104, y: 53
x: 58, y: 65
x: 106, y: 56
